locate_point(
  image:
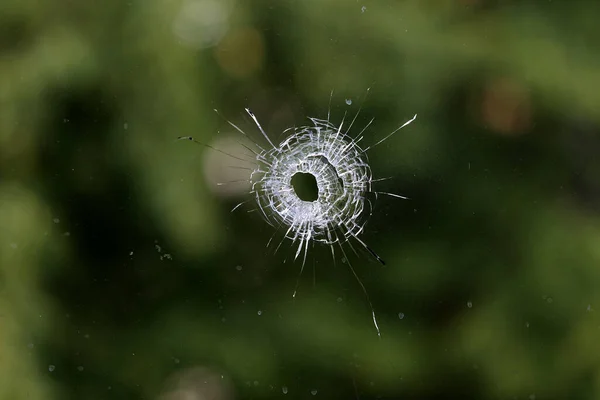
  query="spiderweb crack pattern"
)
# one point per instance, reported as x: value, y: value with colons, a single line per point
x: 343, y: 178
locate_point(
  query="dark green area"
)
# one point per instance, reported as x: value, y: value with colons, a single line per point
x: 125, y: 275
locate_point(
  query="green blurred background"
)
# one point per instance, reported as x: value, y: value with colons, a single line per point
x: 124, y: 275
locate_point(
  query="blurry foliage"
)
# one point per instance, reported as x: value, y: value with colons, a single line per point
x: 123, y: 274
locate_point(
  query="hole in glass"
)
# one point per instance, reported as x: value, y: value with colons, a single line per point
x: 305, y: 186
